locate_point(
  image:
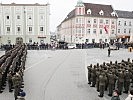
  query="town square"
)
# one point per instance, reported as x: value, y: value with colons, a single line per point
x: 89, y: 56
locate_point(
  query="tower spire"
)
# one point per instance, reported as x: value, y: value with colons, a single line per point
x: 80, y: 3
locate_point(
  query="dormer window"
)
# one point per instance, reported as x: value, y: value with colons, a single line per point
x: 101, y: 12
x: 113, y: 13
x: 89, y: 11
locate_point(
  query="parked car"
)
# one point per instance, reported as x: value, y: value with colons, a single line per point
x: 113, y: 47
x: 71, y: 46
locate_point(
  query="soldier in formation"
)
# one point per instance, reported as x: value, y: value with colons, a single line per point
x: 12, y: 69
x: 111, y: 76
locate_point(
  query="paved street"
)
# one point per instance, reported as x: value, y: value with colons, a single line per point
x: 62, y: 74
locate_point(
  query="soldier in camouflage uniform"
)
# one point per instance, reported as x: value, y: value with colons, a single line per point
x: 112, y: 78
x: 89, y: 73
x: 98, y: 72
x: 120, y: 81
x: 102, y: 81
x: 17, y: 84
x: 10, y: 84
x: 0, y: 80
x: 93, y: 76
x: 127, y: 77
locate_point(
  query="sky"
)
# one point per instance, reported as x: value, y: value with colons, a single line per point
x: 59, y: 9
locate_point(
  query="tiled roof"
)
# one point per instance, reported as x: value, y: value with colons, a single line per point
x: 70, y: 15
x: 95, y: 9
x: 124, y: 14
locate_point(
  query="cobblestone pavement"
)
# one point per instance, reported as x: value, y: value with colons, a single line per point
x: 62, y: 74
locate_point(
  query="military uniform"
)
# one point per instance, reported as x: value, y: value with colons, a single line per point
x: 102, y: 81
x: 120, y: 81
x: 93, y: 76
x: 17, y: 84
x: 0, y: 82
x: 10, y: 84
x: 89, y: 73
x: 127, y: 77
x: 97, y: 78
x: 112, y: 78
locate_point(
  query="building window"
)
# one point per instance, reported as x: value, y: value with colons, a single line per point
x: 100, y: 40
x: 30, y: 40
x: 79, y: 30
x: 95, y: 21
x: 88, y: 31
x: 101, y: 21
x: 29, y: 17
x: 7, y: 17
x: 8, y: 29
x: 119, y: 23
x: 80, y: 20
x: 93, y: 40
x: 113, y: 31
x: 113, y: 22
x: 101, y: 31
x: 94, y: 31
x: 41, y: 17
x: 125, y: 23
x: 130, y: 24
x: 89, y: 11
x: 30, y: 29
x: 129, y: 30
x: 118, y: 30
x: 76, y: 20
x: 18, y: 17
x: 18, y: 29
x: 124, y: 30
x: 107, y: 21
x: 101, y: 12
x: 89, y: 21
x: 83, y: 30
x: 87, y: 40
x: 79, y: 11
x: 41, y: 28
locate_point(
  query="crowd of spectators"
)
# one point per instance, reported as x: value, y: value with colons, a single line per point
x: 46, y: 46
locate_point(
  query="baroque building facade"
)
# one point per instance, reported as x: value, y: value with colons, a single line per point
x: 89, y: 23
x: 124, y: 26
x: 27, y: 21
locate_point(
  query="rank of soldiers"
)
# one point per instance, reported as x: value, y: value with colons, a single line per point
x: 12, y: 69
x: 111, y: 76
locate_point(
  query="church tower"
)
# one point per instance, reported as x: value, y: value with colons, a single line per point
x: 80, y: 8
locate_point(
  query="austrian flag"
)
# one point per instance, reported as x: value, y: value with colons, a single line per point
x: 105, y: 28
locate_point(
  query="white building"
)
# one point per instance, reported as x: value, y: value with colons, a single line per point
x: 29, y: 21
x: 89, y: 23
x: 124, y: 26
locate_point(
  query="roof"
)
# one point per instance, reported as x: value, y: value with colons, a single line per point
x: 124, y: 14
x: 70, y: 15
x: 95, y: 9
x: 14, y: 4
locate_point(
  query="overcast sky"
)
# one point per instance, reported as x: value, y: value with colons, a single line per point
x: 60, y: 8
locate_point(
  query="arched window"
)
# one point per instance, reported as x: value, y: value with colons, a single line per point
x: 101, y: 12
x: 89, y: 11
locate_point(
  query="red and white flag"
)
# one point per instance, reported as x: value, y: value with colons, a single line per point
x: 105, y: 28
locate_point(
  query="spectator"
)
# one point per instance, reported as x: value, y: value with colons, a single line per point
x: 130, y: 96
x: 115, y: 95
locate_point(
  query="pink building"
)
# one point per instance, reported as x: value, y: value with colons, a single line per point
x: 89, y: 23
